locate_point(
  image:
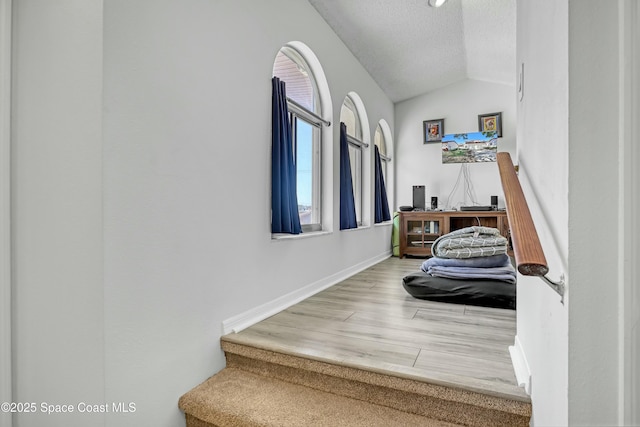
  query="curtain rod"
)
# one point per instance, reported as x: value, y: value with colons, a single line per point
x: 297, y: 108
x: 355, y: 141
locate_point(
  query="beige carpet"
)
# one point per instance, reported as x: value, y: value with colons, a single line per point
x: 438, y: 401
x: 266, y: 388
x: 235, y: 397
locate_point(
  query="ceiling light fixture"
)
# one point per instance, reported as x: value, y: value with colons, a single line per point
x: 436, y: 3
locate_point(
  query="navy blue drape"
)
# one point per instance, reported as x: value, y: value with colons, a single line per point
x: 347, y: 204
x: 382, y: 204
x: 284, y: 198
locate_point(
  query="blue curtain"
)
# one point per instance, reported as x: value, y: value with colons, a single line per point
x: 284, y: 198
x: 382, y: 205
x: 347, y: 204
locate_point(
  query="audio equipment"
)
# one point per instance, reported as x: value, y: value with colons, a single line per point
x: 476, y: 208
x: 494, y: 202
x: 418, y: 197
x: 434, y: 203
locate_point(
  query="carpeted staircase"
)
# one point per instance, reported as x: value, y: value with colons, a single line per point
x: 261, y: 387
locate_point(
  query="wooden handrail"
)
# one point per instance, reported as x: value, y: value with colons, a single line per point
x: 530, y: 259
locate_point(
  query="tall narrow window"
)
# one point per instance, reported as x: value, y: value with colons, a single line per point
x: 380, y: 142
x: 349, y: 116
x: 306, y: 129
x: 381, y: 203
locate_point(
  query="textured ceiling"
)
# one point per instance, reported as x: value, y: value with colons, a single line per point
x: 410, y: 48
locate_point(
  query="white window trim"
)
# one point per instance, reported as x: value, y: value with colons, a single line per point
x: 286, y: 236
x: 356, y: 179
x: 297, y: 112
x: 363, y: 137
x: 307, y: 117
x: 325, y: 107
x: 388, y: 159
x: 360, y: 141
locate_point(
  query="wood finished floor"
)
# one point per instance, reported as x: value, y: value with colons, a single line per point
x: 369, y: 321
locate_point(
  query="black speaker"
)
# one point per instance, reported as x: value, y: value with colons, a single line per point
x: 434, y: 203
x: 418, y: 197
x: 494, y: 203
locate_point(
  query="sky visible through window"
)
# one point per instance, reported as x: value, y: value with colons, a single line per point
x: 304, y: 163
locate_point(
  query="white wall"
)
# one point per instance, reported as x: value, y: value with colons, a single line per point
x: 542, y: 321
x: 141, y: 193
x: 629, y: 225
x: 129, y: 250
x: 5, y: 209
x: 58, y: 293
x: 573, y: 172
x: 421, y: 164
x: 594, y: 191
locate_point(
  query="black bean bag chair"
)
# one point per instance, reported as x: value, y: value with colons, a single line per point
x: 486, y: 293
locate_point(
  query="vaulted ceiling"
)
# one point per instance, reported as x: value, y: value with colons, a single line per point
x: 410, y: 48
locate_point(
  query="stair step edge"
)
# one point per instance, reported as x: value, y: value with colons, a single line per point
x: 375, y: 386
x: 234, y: 397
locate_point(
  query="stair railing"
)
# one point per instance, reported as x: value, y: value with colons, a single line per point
x: 527, y: 250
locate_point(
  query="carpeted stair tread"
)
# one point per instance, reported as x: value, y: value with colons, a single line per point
x: 434, y: 401
x: 234, y: 397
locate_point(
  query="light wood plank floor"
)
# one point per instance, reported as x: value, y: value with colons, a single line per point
x: 369, y: 321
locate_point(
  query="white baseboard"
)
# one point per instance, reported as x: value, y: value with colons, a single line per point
x: 520, y: 366
x: 250, y: 317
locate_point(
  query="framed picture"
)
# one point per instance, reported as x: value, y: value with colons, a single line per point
x: 433, y: 130
x: 491, y: 122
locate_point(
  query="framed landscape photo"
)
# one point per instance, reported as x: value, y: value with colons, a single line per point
x: 433, y: 130
x: 491, y: 122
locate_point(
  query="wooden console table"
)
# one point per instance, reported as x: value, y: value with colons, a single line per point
x: 419, y: 229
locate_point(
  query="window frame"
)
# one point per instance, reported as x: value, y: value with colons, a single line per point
x: 357, y: 146
x: 386, y: 138
x: 381, y: 143
x: 299, y: 112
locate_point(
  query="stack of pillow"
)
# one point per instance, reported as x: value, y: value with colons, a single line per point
x: 471, y: 253
x: 469, y: 266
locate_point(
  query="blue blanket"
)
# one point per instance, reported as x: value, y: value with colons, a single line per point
x: 501, y: 260
x: 504, y: 274
x: 496, y: 267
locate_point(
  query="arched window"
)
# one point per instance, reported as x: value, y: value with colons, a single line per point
x: 307, y: 124
x: 383, y: 172
x: 350, y: 115
x: 380, y: 142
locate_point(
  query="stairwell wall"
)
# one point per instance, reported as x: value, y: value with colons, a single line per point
x: 542, y: 321
x: 573, y: 173
x: 58, y: 351
x: 187, y: 122
x: 141, y: 194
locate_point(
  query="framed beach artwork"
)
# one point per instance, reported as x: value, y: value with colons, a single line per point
x: 433, y: 130
x: 471, y: 147
x: 491, y: 122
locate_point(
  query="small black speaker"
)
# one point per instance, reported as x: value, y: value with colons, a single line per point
x: 418, y: 197
x: 494, y: 203
x: 434, y: 203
